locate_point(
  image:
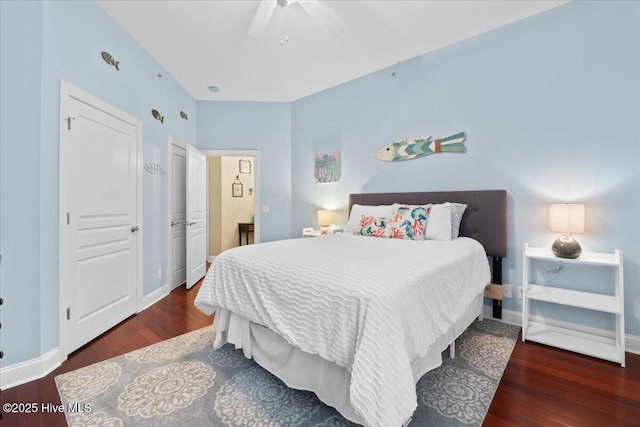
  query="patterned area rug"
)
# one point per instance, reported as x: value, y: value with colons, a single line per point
x: 183, y: 381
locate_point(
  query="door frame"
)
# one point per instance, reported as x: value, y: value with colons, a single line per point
x: 69, y: 91
x: 216, y: 153
x: 256, y: 186
x: 169, y: 255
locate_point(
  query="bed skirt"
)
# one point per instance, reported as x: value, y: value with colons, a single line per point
x: 305, y: 371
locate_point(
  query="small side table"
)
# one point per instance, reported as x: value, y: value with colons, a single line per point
x: 310, y: 232
x: 246, y: 228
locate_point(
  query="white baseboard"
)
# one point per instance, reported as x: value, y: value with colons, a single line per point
x: 34, y: 369
x: 30, y: 370
x: 155, y: 296
x: 631, y: 342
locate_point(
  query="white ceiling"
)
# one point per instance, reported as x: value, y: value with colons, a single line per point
x: 206, y: 43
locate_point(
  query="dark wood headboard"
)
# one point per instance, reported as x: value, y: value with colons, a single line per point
x: 484, y: 220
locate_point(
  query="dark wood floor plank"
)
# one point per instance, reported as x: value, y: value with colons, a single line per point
x: 541, y: 386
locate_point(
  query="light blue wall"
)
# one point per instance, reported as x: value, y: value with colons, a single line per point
x: 20, y: 63
x: 551, y: 107
x: 263, y: 126
x: 65, y: 44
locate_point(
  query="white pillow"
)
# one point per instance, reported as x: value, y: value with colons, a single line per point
x: 357, y: 211
x: 444, y: 221
x: 439, y: 223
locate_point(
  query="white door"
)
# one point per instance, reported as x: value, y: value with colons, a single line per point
x: 100, y: 215
x: 178, y: 215
x: 196, y: 215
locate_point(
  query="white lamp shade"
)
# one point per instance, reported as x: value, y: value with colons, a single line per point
x: 325, y: 217
x: 566, y: 218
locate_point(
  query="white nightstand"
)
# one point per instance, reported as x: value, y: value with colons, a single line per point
x: 310, y: 232
x: 592, y: 345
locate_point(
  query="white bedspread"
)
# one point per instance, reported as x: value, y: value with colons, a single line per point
x: 371, y: 305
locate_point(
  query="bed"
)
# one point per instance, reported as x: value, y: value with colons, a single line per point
x: 358, y: 320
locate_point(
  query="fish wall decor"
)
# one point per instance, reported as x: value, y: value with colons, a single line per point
x: 414, y: 148
x: 156, y: 115
x: 110, y: 60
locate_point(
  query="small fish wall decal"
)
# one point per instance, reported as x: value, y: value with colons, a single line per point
x: 414, y: 148
x: 110, y: 60
x: 157, y: 116
x: 183, y: 115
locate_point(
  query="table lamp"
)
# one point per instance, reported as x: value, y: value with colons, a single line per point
x: 566, y: 218
x: 324, y: 219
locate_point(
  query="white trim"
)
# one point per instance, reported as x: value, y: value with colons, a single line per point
x: 632, y: 342
x: 155, y: 296
x: 210, y: 258
x: 67, y: 91
x: 33, y: 369
x: 256, y: 181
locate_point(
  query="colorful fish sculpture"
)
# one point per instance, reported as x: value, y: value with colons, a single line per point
x: 414, y: 148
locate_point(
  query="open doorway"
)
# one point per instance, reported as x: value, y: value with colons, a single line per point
x: 231, y: 202
x: 177, y: 198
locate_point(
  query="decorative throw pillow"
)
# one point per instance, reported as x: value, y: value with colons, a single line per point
x: 372, y: 226
x: 357, y: 211
x: 439, y: 225
x: 408, y: 222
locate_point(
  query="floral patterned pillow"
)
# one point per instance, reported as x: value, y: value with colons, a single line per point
x: 372, y: 226
x: 408, y: 222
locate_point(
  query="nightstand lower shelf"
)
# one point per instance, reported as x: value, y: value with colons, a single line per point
x: 578, y: 342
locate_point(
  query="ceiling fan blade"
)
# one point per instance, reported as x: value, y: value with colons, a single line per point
x: 262, y: 18
x: 321, y: 16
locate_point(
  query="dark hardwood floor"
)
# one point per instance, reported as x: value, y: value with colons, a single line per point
x: 541, y: 386
x: 169, y: 317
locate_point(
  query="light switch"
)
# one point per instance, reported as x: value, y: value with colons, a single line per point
x: 266, y: 209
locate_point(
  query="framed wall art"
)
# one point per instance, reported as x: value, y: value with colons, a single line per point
x: 236, y: 188
x: 245, y: 166
x: 327, y: 167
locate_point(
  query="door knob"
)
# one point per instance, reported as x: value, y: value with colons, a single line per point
x: 134, y: 228
x: 174, y: 223
x: 192, y: 223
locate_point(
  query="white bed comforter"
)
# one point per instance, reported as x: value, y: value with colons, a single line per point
x: 371, y: 305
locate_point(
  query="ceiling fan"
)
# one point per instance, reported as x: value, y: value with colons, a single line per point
x: 313, y: 7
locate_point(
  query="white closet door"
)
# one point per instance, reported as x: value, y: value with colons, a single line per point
x: 100, y: 229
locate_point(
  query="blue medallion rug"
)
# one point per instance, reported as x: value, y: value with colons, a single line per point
x: 184, y: 382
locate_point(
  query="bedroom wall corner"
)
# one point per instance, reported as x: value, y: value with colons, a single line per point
x: 262, y: 126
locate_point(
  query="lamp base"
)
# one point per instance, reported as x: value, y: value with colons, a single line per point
x: 566, y: 246
x: 325, y: 230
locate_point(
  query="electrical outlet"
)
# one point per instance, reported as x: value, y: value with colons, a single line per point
x: 520, y: 292
x: 506, y: 291
x: 159, y: 273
